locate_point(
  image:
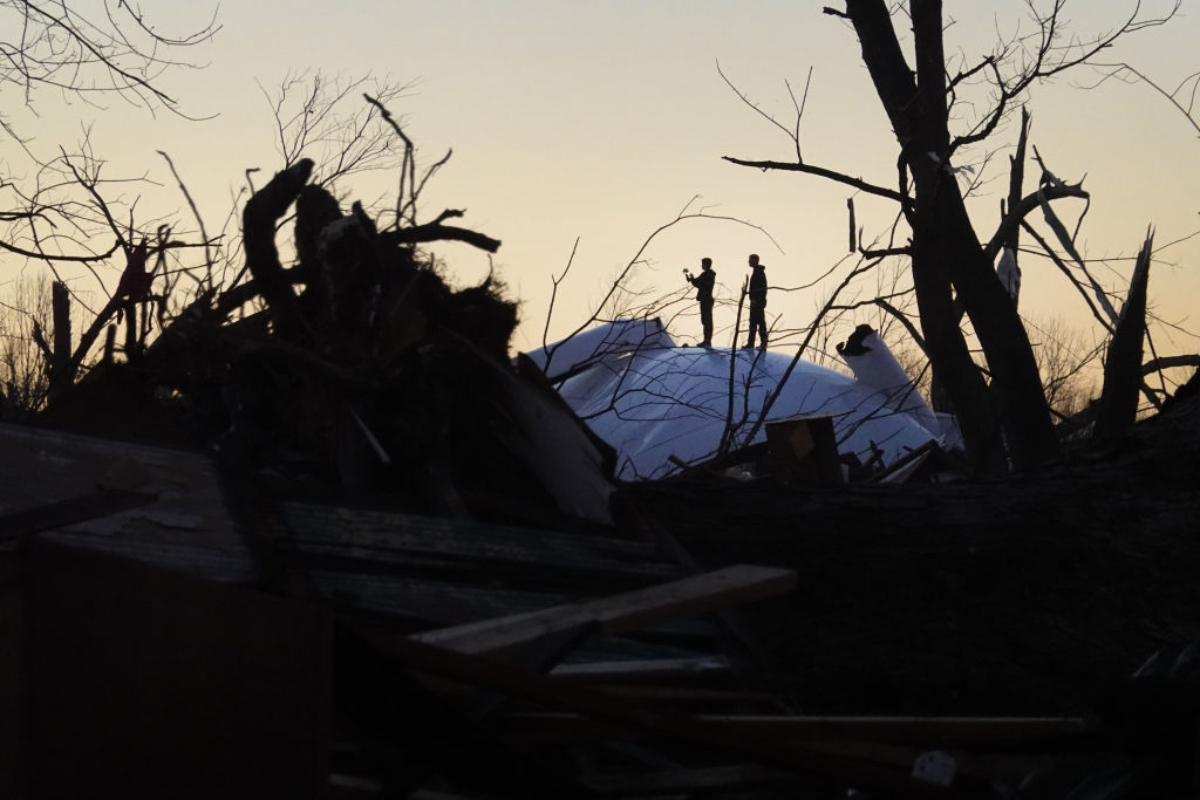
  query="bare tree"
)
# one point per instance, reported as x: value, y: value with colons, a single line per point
x: 118, y: 53
x: 24, y: 373
x: 112, y: 51
x: 952, y: 264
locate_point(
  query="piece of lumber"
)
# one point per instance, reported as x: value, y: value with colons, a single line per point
x: 915, y: 731
x: 706, y: 698
x: 424, y: 601
x: 861, y: 770
x: 642, y: 670
x: 413, y: 542
x: 910, y: 730
x: 622, y: 612
x: 331, y: 526
x: 686, y: 781
x: 409, y: 730
x: 541, y: 656
x: 20, y: 524
x: 739, y: 642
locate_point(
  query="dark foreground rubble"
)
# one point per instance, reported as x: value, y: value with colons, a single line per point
x: 335, y: 544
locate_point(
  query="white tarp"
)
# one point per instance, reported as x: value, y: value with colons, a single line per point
x: 651, y: 400
x: 875, y: 367
x: 593, y: 345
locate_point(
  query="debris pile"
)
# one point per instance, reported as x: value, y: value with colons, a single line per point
x: 396, y: 563
x: 375, y: 377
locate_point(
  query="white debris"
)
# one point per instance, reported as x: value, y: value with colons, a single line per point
x: 1009, y: 272
x: 651, y: 400
x: 935, y: 767
x: 595, y: 345
x: 873, y: 364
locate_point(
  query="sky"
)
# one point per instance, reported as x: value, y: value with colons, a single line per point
x: 602, y: 120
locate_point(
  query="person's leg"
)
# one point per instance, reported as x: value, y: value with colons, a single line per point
x: 706, y: 322
x: 761, y: 320
x: 755, y: 314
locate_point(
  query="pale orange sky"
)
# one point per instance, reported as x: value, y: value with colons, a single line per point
x: 601, y: 119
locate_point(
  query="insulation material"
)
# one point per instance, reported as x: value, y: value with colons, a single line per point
x: 595, y: 345
x: 1009, y: 273
x: 873, y: 364
x: 652, y: 403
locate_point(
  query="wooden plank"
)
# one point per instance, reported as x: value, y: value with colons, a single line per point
x: 26, y: 522
x: 213, y: 563
x: 408, y: 729
x: 604, y: 648
x: 622, y: 612
x: 437, y: 557
x: 688, y: 781
x: 708, y: 698
x: 39, y: 467
x: 331, y: 525
x: 755, y: 663
x: 863, y: 770
x: 642, y: 670
x: 917, y: 731
x: 426, y: 602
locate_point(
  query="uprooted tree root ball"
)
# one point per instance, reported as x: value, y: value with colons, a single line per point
x: 358, y: 368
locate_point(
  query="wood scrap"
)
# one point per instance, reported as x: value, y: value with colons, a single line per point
x: 729, y: 586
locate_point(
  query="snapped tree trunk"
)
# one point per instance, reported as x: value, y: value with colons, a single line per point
x: 1123, y: 366
x: 62, y: 372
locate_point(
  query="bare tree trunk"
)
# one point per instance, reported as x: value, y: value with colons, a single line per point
x: 932, y: 253
x: 947, y: 251
x: 1021, y: 399
x: 131, y: 341
x: 62, y: 374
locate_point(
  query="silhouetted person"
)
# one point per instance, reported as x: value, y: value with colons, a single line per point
x: 758, y: 303
x: 704, y: 293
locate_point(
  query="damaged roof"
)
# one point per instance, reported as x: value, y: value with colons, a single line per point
x: 659, y: 404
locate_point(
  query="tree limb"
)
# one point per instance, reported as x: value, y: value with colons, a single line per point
x: 434, y: 232
x: 1015, y: 215
x: 833, y: 175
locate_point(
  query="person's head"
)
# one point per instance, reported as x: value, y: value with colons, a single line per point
x: 753, y: 260
x: 706, y: 264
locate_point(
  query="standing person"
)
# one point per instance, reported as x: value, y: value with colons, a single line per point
x: 758, y: 303
x: 704, y: 293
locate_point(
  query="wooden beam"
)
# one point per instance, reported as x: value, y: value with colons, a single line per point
x: 642, y: 670
x: 686, y: 781
x: 875, y: 770
x: 707, y: 698
x: 395, y: 536
x: 20, y: 524
x: 622, y: 612
x: 916, y: 731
